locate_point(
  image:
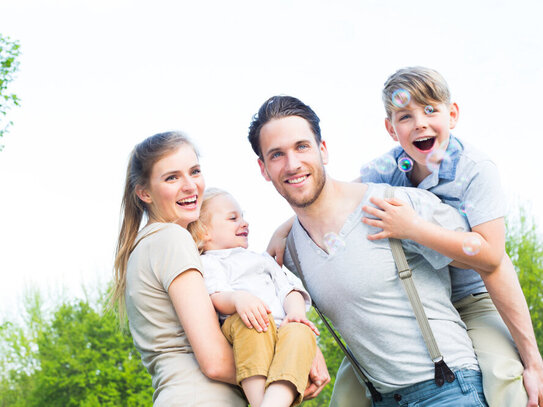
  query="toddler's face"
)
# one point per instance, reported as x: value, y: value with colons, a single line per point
x: 226, y: 227
x: 422, y: 129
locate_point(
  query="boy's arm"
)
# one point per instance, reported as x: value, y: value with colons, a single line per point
x: 294, y: 306
x: 278, y: 241
x: 481, y: 249
x: 252, y: 310
x: 504, y: 288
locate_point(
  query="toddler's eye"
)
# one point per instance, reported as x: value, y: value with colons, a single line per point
x: 404, y: 117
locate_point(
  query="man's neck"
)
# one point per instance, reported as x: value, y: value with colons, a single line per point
x: 329, y: 212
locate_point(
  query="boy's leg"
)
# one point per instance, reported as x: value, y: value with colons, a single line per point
x: 498, y: 358
x: 253, y: 353
x: 294, y: 353
x: 348, y: 391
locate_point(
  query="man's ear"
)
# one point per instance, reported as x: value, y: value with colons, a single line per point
x: 324, y: 152
x: 453, y: 115
x: 263, y: 170
x: 390, y: 129
x: 143, y: 194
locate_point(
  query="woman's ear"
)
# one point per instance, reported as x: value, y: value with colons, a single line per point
x: 143, y: 194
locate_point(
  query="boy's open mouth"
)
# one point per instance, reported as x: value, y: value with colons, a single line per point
x: 425, y: 143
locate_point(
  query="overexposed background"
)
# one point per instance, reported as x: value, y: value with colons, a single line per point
x: 96, y: 77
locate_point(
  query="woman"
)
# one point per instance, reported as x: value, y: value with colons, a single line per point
x: 158, y: 277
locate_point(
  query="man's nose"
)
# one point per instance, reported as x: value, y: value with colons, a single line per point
x: 293, y: 162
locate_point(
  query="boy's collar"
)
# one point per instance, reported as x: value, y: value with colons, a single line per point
x: 447, y: 169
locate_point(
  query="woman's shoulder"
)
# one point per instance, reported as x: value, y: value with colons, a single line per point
x: 159, y: 232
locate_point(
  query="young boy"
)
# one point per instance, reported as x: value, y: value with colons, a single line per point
x: 272, y: 365
x: 420, y: 116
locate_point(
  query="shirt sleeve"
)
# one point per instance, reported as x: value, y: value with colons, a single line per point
x: 285, y: 282
x: 173, y: 252
x: 215, y: 276
x: 431, y: 209
x: 484, y: 199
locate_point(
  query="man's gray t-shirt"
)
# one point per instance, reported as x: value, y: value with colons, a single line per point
x: 358, y: 288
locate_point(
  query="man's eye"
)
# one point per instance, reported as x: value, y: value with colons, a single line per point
x: 303, y: 146
x: 275, y: 155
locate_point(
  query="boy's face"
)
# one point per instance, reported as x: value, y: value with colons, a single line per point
x: 422, y: 129
x: 226, y: 228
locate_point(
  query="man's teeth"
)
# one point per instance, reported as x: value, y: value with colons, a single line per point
x: 187, y: 200
x: 297, y: 180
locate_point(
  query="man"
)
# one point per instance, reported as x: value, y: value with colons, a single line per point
x: 358, y: 287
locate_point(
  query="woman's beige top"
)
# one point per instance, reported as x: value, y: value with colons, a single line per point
x: 164, y: 251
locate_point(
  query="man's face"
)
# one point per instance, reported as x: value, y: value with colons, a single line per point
x: 292, y: 160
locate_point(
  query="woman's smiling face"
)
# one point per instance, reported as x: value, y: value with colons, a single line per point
x: 175, y: 188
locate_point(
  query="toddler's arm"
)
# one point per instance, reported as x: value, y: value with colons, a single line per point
x: 294, y: 306
x: 252, y: 310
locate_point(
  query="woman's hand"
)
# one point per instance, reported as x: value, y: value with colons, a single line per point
x: 252, y: 310
x: 318, y: 376
x: 397, y: 219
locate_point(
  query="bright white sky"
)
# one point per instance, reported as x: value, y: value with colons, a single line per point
x: 98, y: 76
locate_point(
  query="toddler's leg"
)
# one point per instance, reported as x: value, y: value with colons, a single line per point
x: 348, y: 391
x: 253, y: 353
x: 498, y: 358
x: 294, y: 353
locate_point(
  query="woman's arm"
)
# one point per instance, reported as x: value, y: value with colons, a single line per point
x: 199, y: 320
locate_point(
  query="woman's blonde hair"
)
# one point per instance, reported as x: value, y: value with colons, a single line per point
x: 424, y: 85
x: 198, y: 228
x: 142, y: 159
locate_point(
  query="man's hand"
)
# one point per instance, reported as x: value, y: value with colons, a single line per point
x: 318, y: 376
x: 533, y: 383
x: 397, y: 219
x: 252, y: 310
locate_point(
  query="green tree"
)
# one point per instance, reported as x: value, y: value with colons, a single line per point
x: 525, y: 248
x: 9, y: 64
x: 79, y: 357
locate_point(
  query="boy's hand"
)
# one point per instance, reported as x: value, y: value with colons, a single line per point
x: 252, y: 310
x: 397, y: 219
x: 302, y: 319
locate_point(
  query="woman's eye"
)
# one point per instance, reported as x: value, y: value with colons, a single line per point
x: 196, y: 171
x: 171, y: 178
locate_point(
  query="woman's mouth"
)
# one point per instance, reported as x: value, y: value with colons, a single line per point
x: 191, y: 200
x: 425, y: 143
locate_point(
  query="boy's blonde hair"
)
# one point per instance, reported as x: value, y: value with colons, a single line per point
x: 425, y: 86
x: 198, y: 228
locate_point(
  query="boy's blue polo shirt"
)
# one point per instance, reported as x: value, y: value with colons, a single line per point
x: 467, y: 180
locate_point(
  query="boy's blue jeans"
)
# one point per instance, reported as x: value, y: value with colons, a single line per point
x: 465, y: 391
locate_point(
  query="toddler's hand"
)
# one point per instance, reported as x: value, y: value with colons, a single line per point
x: 397, y: 219
x: 302, y: 319
x: 252, y: 310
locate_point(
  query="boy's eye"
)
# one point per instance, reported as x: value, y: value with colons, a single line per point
x: 404, y: 117
x: 429, y: 109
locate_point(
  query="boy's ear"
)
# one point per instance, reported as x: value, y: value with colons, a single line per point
x: 390, y: 129
x: 453, y: 115
x: 263, y: 170
x: 143, y: 194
